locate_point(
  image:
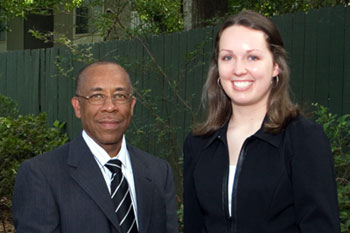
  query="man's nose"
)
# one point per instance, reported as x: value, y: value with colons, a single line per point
x: 109, y: 105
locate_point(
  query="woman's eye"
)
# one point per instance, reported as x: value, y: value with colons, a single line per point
x: 252, y: 58
x: 226, y: 58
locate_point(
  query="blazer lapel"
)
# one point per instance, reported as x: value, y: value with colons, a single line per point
x: 143, y: 186
x: 85, y: 171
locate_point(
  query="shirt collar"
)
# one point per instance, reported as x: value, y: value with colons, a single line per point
x: 102, y: 157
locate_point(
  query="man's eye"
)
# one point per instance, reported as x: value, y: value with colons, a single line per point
x: 97, y: 96
x: 120, y: 96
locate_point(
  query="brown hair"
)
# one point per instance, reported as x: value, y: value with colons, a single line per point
x: 218, y: 105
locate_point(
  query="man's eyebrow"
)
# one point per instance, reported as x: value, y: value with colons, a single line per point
x: 116, y: 89
x: 96, y: 89
x: 121, y: 89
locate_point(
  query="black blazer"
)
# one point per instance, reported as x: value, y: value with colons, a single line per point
x: 64, y: 191
x: 284, y: 183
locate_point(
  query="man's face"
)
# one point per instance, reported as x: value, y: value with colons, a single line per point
x: 105, y: 123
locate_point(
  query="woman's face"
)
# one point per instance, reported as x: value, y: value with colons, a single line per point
x: 246, y: 66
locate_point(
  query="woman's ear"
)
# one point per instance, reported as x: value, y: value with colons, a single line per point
x: 276, y: 70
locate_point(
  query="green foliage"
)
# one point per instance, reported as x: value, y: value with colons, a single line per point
x: 21, y: 8
x: 147, y: 17
x: 10, y: 9
x: 8, y: 107
x: 21, y: 138
x: 277, y: 7
x: 152, y: 16
x: 337, y: 130
x: 180, y: 217
x: 159, y: 16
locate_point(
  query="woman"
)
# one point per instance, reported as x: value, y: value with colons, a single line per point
x: 255, y: 165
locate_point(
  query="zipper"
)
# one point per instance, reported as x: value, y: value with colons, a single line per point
x: 233, y: 218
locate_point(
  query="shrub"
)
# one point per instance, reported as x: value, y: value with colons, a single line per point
x: 338, y: 132
x: 22, y: 138
x: 8, y: 107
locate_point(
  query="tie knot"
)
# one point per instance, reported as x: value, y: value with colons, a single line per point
x: 114, y: 165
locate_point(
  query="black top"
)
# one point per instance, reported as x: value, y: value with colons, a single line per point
x: 284, y: 183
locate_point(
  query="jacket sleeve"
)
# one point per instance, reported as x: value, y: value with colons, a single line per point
x: 193, y: 217
x: 313, y: 180
x: 172, y: 222
x: 34, y: 209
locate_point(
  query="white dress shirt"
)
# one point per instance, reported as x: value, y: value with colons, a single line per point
x: 231, y: 179
x: 102, y: 157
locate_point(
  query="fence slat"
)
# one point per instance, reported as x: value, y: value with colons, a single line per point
x: 323, y: 28
x: 3, y: 73
x: 310, y: 58
x: 336, y: 55
x: 11, y: 75
x: 296, y: 55
x: 346, y: 64
x: 51, y: 88
x: 33, y: 79
x: 20, y: 79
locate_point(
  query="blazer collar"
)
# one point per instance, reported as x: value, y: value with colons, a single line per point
x: 143, y: 185
x: 85, y: 171
x: 273, y: 139
x: 217, y: 135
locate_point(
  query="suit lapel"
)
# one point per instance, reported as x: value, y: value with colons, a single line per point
x: 85, y: 171
x: 143, y: 186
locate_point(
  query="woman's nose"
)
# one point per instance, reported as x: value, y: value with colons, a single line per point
x: 239, y: 67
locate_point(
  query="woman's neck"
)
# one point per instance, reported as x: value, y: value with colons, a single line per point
x: 248, y: 117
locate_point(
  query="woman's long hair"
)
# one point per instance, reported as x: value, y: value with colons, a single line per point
x: 280, y: 109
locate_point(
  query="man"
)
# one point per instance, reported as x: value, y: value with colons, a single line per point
x: 70, y: 189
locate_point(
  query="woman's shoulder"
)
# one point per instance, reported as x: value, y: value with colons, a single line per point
x: 195, y: 139
x: 304, y: 129
x: 195, y: 143
x: 302, y: 123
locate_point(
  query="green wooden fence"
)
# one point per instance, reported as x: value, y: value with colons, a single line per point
x: 318, y: 44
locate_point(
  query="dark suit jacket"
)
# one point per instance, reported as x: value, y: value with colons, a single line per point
x: 64, y: 191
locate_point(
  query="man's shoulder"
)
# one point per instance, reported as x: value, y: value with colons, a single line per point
x: 52, y: 158
x: 139, y: 154
x: 48, y: 157
x: 64, y: 149
x: 135, y: 150
x: 57, y: 161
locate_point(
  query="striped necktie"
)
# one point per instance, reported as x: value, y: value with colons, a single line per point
x: 120, y: 194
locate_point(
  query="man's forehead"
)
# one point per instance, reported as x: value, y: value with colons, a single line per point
x: 108, y: 67
x: 115, y: 89
x: 100, y: 73
x: 105, y: 76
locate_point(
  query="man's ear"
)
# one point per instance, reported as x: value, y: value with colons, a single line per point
x: 133, y: 102
x: 76, y: 105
